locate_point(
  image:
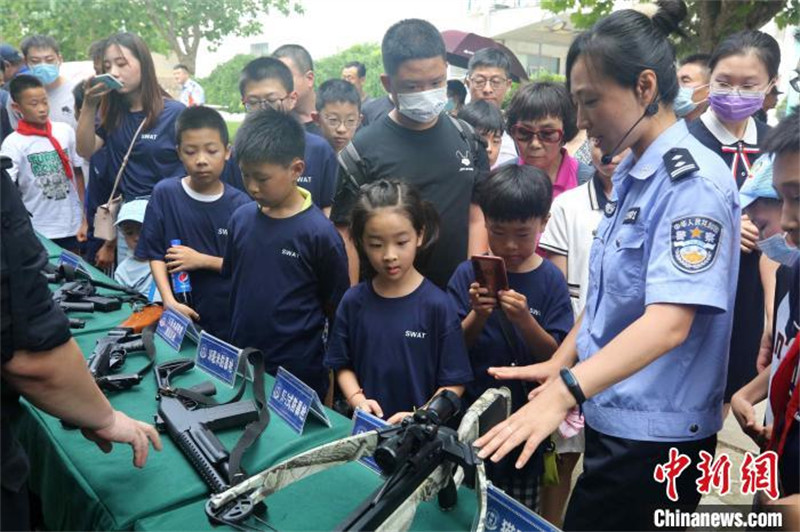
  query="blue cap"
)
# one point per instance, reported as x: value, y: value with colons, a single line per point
x: 133, y: 211
x: 9, y: 53
x: 759, y: 183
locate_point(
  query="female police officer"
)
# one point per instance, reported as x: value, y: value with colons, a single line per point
x: 652, y: 343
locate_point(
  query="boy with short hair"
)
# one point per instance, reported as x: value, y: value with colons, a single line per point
x: 338, y: 112
x: 46, y: 165
x: 131, y: 271
x: 267, y: 82
x: 196, y: 210
x: 488, y: 123
x: 524, y: 324
x: 286, y: 261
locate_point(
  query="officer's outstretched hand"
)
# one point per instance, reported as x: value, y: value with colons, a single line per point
x: 531, y: 424
x: 126, y: 430
x: 541, y: 373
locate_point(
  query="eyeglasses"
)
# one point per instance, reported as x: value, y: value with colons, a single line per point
x: 272, y: 103
x: 496, y: 82
x: 748, y: 90
x: 526, y: 134
x: 334, y: 122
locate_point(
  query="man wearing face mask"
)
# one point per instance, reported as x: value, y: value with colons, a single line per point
x: 417, y: 143
x: 693, y: 77
x: 43, y: 57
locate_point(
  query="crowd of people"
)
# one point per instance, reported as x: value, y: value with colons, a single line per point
x: 645, y: 213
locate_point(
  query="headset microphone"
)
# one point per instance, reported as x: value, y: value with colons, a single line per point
x: 650, y: 110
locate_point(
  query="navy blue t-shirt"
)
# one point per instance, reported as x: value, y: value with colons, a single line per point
x: 402, y: 349
x: 203, y: 226
x: 319, y: 177
x: 548, y: 302
x: 286, y: 275
x: 153, y: 157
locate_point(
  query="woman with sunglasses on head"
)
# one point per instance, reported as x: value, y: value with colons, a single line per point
x: 650, y: 349
x: 541, y: 120
x: 744, y: 68
x: 137, y: 115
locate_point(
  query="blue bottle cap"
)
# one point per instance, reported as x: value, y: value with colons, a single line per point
x: 175, y: 242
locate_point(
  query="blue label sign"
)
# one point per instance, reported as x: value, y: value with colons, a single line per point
x: 172, y: 328
x: 365, y: 422
x: 505, y: 514
x: 217, y: 358
x: 292, y: 400
x: 70, y: 259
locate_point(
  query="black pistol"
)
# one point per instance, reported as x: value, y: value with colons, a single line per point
x: 109, y: 355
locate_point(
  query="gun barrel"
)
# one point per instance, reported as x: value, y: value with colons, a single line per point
x: 200, y: 462
x: 76, y: 306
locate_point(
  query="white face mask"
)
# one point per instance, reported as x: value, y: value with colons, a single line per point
x: 422, y: 106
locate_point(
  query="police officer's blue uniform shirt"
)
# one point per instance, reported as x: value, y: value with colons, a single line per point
x: 670, y: 236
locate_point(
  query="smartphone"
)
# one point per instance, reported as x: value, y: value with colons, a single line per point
x: 490, y: 272
x: 108, y: 80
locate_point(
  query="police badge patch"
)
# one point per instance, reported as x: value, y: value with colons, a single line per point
x: 694, y: 242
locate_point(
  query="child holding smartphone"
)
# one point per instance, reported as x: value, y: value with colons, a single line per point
x: 396, y: 341
x: 524, y: 323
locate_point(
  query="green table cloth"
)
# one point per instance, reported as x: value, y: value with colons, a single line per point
x: 83, y: 489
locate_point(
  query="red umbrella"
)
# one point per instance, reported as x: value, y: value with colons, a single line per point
x: 461, y: 46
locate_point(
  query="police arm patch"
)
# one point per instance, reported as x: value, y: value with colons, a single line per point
x: 694, y: 243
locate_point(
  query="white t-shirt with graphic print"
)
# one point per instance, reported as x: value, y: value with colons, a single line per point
x: 49, y: 195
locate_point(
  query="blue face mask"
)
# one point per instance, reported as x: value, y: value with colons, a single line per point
x: 683, y: 104
x: 778, y: 249
x: 46, y: 72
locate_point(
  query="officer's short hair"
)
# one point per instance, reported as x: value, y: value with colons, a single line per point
x: 514, y: 193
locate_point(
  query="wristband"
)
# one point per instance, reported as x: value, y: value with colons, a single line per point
x: 360, y: 390
x: 572, y: 385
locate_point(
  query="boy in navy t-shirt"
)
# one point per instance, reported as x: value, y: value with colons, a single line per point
x: 524, y: 324
x: 286, y: 260
x: 267, y: 82
x: 195, y: 210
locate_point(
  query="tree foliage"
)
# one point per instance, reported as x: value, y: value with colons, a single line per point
x: 708, y: 22
x: 166, y: 25
x: 222, y: 85
x: 368, y: 53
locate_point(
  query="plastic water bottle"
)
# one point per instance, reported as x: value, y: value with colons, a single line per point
x: 181, y: 285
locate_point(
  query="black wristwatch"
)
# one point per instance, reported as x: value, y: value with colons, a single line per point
x: 572, y: 385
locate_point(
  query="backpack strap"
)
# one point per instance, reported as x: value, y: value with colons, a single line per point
x: 353, y: 165
x: 468, y: 135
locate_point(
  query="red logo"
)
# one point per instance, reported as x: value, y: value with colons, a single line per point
x: 670, y: 471
x: 183, y: 277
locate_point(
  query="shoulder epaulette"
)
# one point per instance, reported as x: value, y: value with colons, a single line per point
x: 679, y: 163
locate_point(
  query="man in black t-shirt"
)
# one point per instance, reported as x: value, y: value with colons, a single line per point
x: 418, y: 144
x: 42, y: 362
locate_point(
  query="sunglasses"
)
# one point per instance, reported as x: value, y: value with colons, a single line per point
x: 525, y: 134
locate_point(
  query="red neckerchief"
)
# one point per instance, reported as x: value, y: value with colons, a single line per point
x: 783, y: 399
x: 740, y: 151
x: 26, y: 128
